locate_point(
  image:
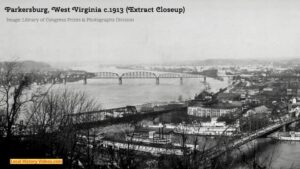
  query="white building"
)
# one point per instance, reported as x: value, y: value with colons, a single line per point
x: 212, y: 111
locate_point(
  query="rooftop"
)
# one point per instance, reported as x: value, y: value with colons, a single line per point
x: 228, y: 96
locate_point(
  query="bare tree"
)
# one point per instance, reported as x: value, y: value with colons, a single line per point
x: 53, y: 112
x: 50, y: 119
x: 15, y: 94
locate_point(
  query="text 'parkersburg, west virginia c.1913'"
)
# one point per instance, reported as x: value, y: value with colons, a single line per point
x: 86, y: 10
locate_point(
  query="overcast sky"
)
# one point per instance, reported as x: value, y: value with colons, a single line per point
x: 208, y: 29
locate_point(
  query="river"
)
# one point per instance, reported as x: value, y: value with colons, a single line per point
x: 138, y: 91
x: 274, y: 154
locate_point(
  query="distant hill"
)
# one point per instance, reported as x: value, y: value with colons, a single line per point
x: 31, y: 66
x: 213, y: 62
x: 238, y: 62
x: 231, y: 62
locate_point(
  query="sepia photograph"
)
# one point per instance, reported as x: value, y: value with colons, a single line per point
x: 160, y: 84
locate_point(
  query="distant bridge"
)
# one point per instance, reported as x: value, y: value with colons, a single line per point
x: 139, y: 75
x: 65, y: 77
x: 217, y: 151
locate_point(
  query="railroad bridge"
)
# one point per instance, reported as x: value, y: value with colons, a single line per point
x: 101, y: 115
x: 218, y: 150
x: 139, y: 75
x: 106, y: 117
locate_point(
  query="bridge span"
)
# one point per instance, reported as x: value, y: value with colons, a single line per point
x: 126, y: 114
x: 138, y: 75
x: 218, y: 150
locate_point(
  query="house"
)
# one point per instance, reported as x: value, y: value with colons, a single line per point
x: 267, y: 90
x: 253, y: 100
x: 295, y: 111
x: 204, y: 96
x: 242, y: 92
x: 260, y: 110
x: 252, y: 91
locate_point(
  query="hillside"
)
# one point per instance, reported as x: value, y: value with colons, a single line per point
x: 31, y: 66
x: 239, y: 62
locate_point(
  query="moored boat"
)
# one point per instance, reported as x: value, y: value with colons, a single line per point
x: 212, y: 128
x: 292, y: 136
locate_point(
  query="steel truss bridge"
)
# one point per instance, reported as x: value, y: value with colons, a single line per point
x: 157, y: 76
x: 141, y: 75
x: 217, y: 151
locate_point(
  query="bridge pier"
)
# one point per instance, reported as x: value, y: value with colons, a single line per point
x: 284, y: 128
x: 65, y: 80
x: 181, y: 80
x: 157, y: 80
x: 85, y: 80
x: 120, y: 81
x: 53, y: 81
x: 204, y: 79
